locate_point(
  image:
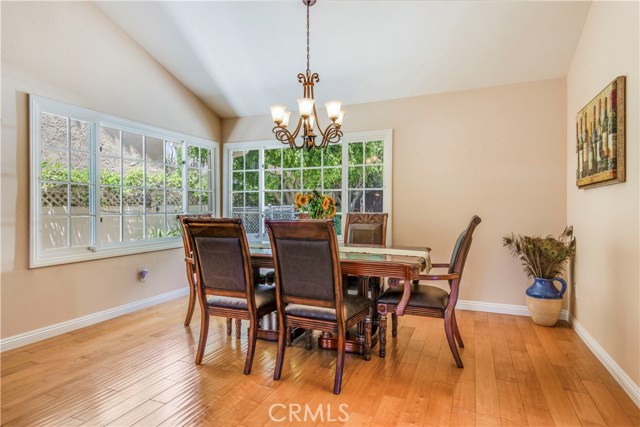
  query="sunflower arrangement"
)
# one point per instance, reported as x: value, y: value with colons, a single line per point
x: 316, y: 205
x: 542, y: 257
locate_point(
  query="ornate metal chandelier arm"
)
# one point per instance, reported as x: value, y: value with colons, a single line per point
x: 332, y: 134
x: 283, y: 135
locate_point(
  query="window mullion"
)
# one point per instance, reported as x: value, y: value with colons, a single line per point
x: 261, y: 227
x: 94, y: 182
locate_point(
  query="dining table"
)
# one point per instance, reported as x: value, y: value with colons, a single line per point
x: 400, y: 265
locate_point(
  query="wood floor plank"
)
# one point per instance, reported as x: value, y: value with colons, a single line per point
x: 138, y: 370
x: 611, y: 411
x: 486, y: 387
x: 557, y: 400
x: 586, y: 410
x: 511, y: 406
x: 439, y: 407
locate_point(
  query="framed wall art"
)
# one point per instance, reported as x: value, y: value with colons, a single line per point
x: 600, y: 138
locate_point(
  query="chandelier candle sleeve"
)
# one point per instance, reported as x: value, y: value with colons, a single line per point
x: 278, y: 112
x: 305, y: 106
x: 333, y: 109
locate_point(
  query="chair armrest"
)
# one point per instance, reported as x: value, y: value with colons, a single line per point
x: 440, y: 265
x: 451, y: 276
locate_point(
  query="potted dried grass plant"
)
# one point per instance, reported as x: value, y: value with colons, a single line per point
x: 544, y: 259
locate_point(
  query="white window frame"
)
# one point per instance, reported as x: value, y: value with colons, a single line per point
x: 38, y: 257
x: 385, y: 135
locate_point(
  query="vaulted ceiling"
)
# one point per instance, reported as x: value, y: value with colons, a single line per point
x: 240, y: 57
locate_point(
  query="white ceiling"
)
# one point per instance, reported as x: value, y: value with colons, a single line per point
x: 240, y: 57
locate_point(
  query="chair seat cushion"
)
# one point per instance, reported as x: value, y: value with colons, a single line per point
x: 422, y: 296
x: 264, y: 295
x: 353, y: 305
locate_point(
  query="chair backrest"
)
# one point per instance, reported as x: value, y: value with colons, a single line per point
x: 462, y: 246
x: 307, y: 262
x: 366, y: 229
x: 188, y: 253
x: 221, y: 255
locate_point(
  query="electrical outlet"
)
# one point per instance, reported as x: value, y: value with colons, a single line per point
x: 143, y: 272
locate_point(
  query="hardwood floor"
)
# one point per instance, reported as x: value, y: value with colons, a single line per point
x: 138, y: 369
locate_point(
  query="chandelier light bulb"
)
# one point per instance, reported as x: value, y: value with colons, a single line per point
x: 305, y: 106
x: 340, y: 118
x: 333, y: 109
x: 311, y: 121
x: 277, y: 113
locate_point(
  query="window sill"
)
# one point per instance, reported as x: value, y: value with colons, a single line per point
x: 84, y: 254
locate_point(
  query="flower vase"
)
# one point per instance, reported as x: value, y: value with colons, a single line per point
x: 544, y: 300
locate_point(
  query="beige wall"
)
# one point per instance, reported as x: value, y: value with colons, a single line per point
x: 71, y: 52
x: 606, y: 219
x: 497, y: 152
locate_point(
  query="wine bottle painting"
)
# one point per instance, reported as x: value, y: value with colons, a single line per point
x: 600, y: 138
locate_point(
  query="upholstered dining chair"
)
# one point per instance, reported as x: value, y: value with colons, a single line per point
x: 365, y: 229
x: 191, y: 279
x: 224, y: 278
x: 431, y: 301
x: 309, y: 287
x: 368, y: 229
x: 188, y: 256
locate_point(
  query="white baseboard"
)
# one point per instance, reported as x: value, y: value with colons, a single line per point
x: 625, y: 381
x: 91, y: 319
x: 490, y: 307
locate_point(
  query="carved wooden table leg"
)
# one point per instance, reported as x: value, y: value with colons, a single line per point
x: 367, y: 337
x: 363, y: 289
x: 382, y: 333
x: 376, y: 284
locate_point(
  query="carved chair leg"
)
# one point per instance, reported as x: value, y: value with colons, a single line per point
x: 307, y: 336
x: 367, y: 337
x: 238, y: 328
x: 456, y: 331
x: 282, y: 341
x: 228, y: 326
x: 337, y: 385
x: 448, y: 330
x: 382, y: 332
x: 252, y: 335
x: 289, y: 335
x: 191, y: 307
x: 394, y: 325
x: 202, y: 343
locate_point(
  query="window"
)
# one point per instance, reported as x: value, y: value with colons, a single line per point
x: 262, y: 177
x: 103, y: 186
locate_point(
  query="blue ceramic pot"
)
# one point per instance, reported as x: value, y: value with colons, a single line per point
x: 545, y: 288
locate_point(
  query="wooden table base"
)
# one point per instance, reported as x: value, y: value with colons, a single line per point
x: 353, y: 344
x: 268, y: 329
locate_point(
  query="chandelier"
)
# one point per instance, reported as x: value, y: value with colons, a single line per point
x: 308, y: 113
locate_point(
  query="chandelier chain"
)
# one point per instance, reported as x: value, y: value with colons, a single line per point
x: 308, y: 54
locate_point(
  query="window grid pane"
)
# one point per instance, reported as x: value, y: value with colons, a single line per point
x: 64, y: 182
